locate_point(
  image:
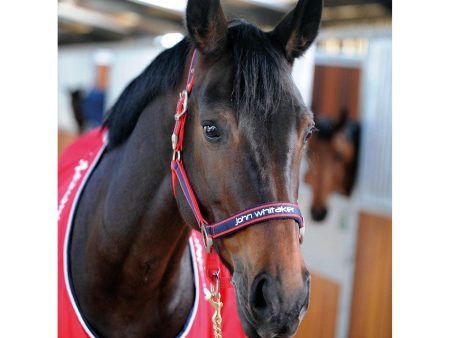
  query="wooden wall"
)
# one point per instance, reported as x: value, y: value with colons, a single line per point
x: 371, y: 315
x: 320, y: 320
x: 336, y: 88
x: 371, y: 311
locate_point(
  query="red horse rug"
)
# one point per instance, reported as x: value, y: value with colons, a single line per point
x: 74, y: 169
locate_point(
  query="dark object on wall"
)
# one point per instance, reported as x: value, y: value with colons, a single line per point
x: 76, y: 97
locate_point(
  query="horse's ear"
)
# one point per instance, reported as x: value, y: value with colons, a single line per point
x: 342, y: 120
x: 207, y: 26
x: 297, y: 31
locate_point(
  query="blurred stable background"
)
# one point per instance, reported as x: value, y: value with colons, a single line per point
x: 345, y: 78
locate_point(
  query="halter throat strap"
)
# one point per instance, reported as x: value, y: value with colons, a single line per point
x: 260, y: 213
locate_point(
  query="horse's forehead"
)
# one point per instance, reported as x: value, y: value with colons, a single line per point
x: 274, y: 132
x: 217, y: 89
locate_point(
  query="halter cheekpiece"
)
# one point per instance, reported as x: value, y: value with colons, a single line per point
x: 240, y: 220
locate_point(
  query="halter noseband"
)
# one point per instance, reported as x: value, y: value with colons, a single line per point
x: 257, y: 214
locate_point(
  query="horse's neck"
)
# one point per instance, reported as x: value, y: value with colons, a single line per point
x: 135, y: 243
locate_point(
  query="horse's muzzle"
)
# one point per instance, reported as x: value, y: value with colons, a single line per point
x: 318, y: 214
x: 275, y: 312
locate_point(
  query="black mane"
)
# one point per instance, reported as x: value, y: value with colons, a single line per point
x: 162, y: 74
x: 259, y: 79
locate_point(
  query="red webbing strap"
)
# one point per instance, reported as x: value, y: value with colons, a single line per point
x: 180, y: 116
x: 180, y: 174
x: 212, y: 265
x: 177, y: 144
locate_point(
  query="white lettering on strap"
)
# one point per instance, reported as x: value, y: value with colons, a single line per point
x: 243, y: 218
x: 263, y: 212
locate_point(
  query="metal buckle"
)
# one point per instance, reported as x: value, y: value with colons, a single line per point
x: 176, y: 155
x: 302, y: 234
x: 183, y: 94
x: 207, y: 241
x: 174, y: 141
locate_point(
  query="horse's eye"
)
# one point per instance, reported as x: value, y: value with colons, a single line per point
x: 309, y: 134
x: 211, y: 132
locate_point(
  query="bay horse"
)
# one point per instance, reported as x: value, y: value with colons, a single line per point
x: 129, y: 258
x: 333, y: 154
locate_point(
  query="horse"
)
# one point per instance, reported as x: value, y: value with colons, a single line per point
x: 240, y: 132
x: 333, y: 154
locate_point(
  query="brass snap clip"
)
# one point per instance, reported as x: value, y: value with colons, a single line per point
x: 213, y: 297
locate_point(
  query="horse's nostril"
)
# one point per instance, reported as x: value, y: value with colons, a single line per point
x: 275, y: 309
x: 260, y: 300
x: 318, y: 214
x: 263, y: 299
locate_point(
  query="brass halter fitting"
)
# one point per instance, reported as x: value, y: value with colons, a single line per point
x: 183, y: 96
x: 302, y: 234
x: 207, y: 240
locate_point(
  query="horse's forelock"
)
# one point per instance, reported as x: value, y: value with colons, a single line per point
x: 261, y: 73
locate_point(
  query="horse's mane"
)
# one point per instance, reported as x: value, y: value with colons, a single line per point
x: 162, y: 74
x: 258, y: 87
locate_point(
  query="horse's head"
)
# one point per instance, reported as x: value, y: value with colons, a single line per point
x: 334, y: 158
x: 244, y: 140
